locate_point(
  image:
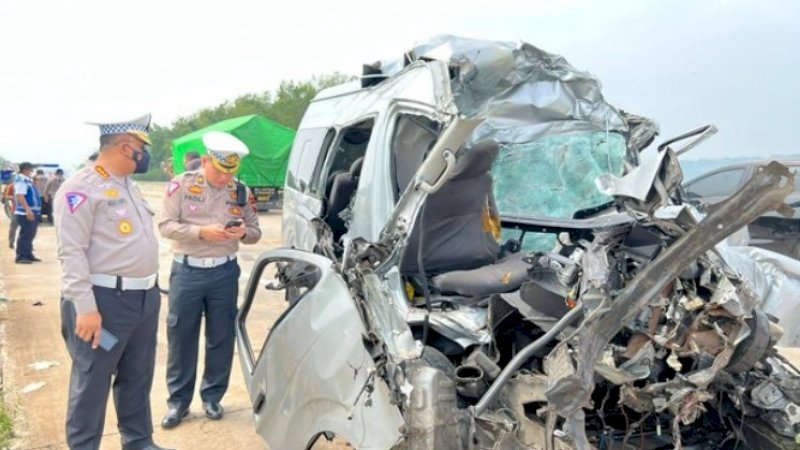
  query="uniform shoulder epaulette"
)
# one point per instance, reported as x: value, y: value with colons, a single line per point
x: 185, y: 177
x: 197, y: 178
x: 97, y: 177
x: 89, y: 176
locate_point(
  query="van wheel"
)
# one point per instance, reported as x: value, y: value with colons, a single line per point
x: 439, y: 361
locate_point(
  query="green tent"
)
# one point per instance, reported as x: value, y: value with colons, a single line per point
x: 269, y: 144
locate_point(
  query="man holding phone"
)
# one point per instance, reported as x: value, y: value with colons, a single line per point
x: 110, y: 299
x: 206, y: 214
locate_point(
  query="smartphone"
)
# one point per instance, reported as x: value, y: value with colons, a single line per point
x: 107, y: 340
x: 233, y: 223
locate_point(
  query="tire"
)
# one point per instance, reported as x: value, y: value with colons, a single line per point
x: 439, y: 361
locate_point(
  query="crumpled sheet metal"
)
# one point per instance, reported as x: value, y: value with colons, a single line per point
x: 523, y: 92
x: 766, y: 190
x: 466, y: 326
x: 389, y: 322
x: 638, y: 182
x: 775, y: 279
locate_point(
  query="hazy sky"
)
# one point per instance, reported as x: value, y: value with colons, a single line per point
x: 683, y: 63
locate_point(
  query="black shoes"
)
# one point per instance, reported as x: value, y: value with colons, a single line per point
x: 29, y: 260
x: 173, y: 418
x: 149, y: 447
x: 213, y: 410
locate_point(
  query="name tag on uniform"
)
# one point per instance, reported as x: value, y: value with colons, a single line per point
x: 194, y: 198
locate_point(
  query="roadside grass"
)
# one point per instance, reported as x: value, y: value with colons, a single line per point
x: 6, y: 424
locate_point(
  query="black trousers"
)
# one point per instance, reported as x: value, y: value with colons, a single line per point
x: 47, y: 210
x: 27, y: 232
x: 132, y: 317
x: 194, y: 292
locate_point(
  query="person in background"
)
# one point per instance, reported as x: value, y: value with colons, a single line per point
x: 28, y: 212
x: 191, y: 161
x: 206, y: 214
x: 11, y: 205
x: 167, y: 167
x: 40, y: 181
x: 49, y: 193
x: 110, y: 297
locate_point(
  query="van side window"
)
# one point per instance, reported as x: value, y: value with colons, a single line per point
x: 307, y: 157
x: 413, y: 136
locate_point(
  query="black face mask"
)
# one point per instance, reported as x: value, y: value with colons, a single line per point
x: 143, y: 162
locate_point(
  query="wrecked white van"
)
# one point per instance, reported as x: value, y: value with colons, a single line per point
x: 482, y: 253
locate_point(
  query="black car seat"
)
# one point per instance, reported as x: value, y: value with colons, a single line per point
x: 460, y: 253
x: 342, y: 189
x: 453, y: 226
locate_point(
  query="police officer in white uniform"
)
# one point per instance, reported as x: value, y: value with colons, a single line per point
x: 206, y: 214
x: 110, y: 301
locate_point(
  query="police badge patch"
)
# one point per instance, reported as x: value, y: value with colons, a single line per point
x: 172, y: 187
x: 74, y: 201
x: 125, y: 227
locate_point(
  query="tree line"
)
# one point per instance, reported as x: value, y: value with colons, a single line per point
x: 286, y: 106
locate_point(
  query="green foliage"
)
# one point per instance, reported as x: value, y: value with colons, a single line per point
x: 6, y: 425
x: 285, y: 106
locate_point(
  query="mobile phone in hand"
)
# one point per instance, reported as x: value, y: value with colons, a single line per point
x: 107, y: 340
x: 233, y: 223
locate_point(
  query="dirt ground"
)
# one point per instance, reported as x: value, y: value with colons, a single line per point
x: 36, y: 365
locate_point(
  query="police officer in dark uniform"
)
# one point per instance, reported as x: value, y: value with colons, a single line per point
x: 206, y: 214
x: 110, y: 300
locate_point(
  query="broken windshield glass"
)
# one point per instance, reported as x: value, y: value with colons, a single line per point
x: 554, y: 177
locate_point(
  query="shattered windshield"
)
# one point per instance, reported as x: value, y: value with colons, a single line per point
x: 553, y: 177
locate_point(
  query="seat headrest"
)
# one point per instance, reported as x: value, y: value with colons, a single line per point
x: 355, y: 168
x: 476, y: 160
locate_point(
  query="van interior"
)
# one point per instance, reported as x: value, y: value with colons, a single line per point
x: 344, y: 169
